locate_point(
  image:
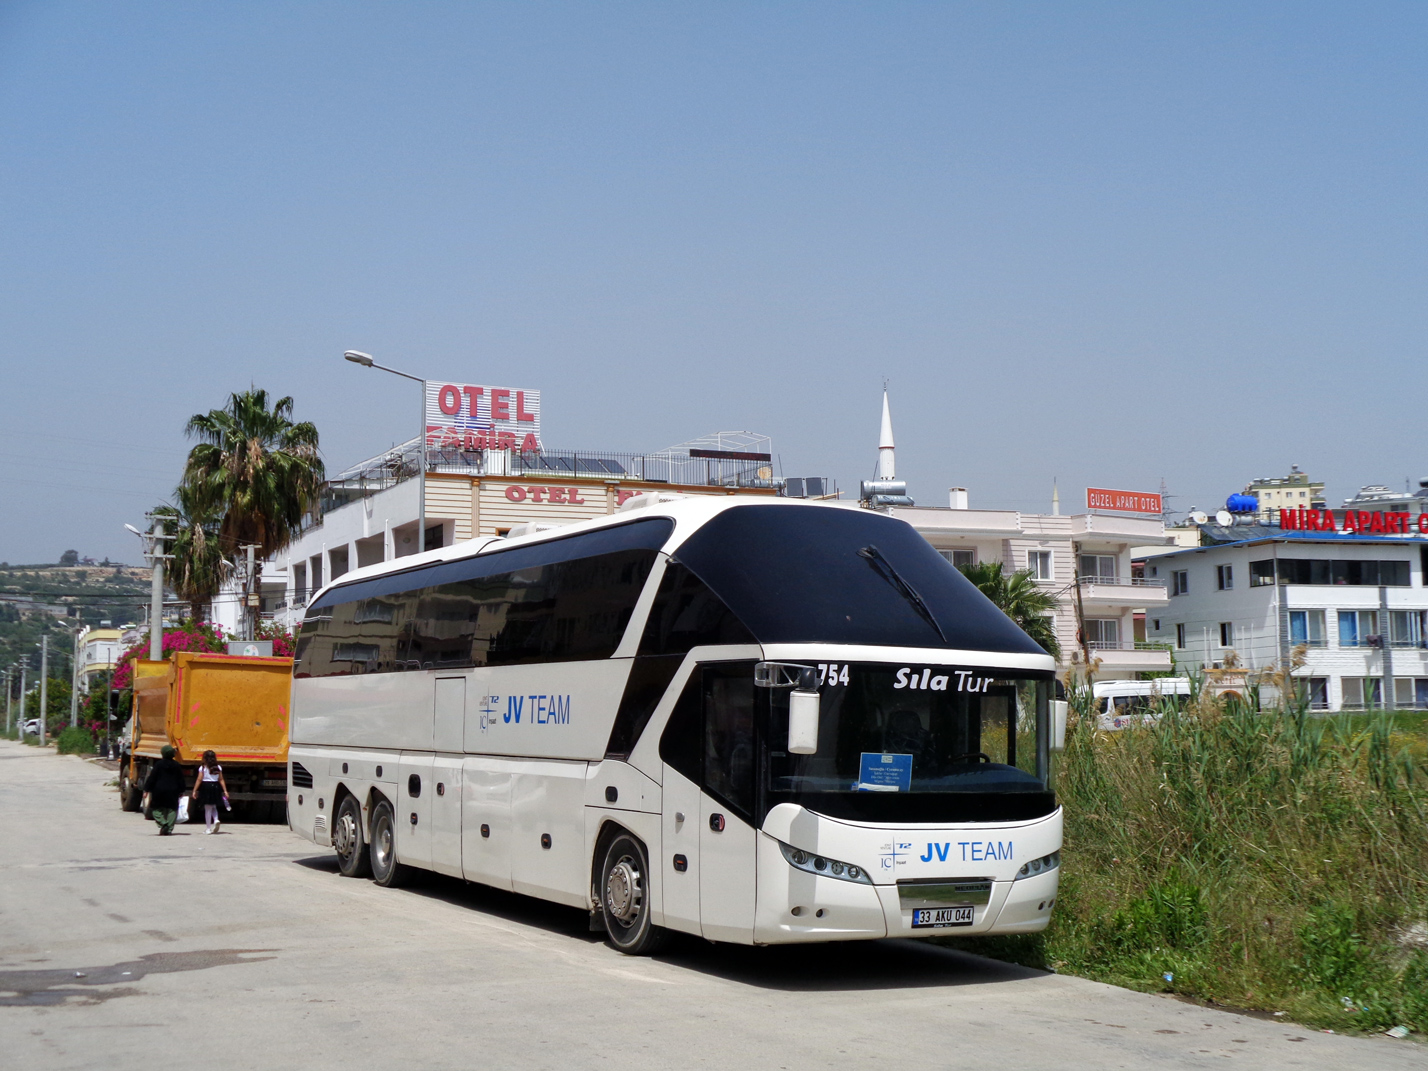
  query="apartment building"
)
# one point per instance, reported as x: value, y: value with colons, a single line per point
x: 1085, y: 560
x: 1355, y: 606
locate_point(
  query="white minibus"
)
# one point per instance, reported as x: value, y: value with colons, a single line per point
x: 755, y: 721
x: 1126, y: 704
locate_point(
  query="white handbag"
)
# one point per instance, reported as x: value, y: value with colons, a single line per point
x: 183, y: 809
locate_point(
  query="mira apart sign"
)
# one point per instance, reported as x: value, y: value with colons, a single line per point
x: 1122, y: 501
x: 464, y: 416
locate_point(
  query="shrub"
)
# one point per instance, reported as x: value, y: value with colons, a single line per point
x: 75, y: 741
x: 1267, y: 860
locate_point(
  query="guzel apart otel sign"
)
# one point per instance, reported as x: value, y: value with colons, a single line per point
x: 1360, y: 522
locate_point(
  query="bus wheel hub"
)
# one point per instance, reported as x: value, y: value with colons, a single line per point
x: 345, y: 837
x: 622, y: 891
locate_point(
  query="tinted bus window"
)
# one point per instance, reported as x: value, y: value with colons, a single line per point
x: 563, y: 600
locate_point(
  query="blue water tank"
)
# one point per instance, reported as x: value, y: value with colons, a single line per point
x: 1242, y: 504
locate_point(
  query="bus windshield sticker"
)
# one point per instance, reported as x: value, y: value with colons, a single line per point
x: 884, y: 773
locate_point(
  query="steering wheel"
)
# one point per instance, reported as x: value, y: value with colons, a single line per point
x: 980, y: 756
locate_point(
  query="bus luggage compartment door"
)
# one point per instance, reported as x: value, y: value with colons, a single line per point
x: 445, y: 808
x: 415, y: 789
x: 486, y: 820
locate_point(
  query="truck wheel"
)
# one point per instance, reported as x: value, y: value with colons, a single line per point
x: 130, y: 798
x: 352, y: 858
x: 383, y: 849
x: 625, y: 899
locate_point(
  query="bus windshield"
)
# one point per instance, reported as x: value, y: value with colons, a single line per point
x: 890, y: 738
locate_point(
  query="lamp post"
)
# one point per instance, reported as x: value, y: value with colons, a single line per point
x: 154, y: 552
x: 366, y: 361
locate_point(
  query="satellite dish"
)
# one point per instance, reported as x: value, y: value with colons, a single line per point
x: 1223, y: 517
x: 1199, y: 517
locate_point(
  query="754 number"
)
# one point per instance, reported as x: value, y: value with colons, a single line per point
x: 832, y: 673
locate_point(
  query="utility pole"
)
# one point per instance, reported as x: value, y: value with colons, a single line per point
x: 9, y: 699
x: 74, y: 681
x: 24, y: 672
x: 156, y: 593
x: 250, y: 611
x: 44, y: 683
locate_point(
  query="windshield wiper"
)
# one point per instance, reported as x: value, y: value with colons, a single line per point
x: 885, y: 569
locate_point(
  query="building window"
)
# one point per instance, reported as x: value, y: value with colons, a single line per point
x: 1317, y: 693
x: 1326, y: 571
x: 1180, y: 636
x: 1180, y: 582
x: 1099, y: 567
x: 1103, y: 634
x: 1039, y: 564
x: 1262, y: 573
x: 1227, y: 634
x: 1225, y: 577
x: 1361, y: 692
x: 1420, y: 693
x: 962, y: 559
x: 1405, y: 628
x: 1306, y: 627
x: 1155, y: 624
x: 1358, y: 628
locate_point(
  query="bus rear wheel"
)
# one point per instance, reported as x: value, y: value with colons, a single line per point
x: 383, y: 849
x: 625, y: 898
x: 352, y: 858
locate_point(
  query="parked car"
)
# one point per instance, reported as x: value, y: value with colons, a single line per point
x: 32, y: 727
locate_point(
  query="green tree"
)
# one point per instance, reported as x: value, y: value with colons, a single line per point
x: 1018, y: 596
x: 198, y: 568
x: 254, y: 470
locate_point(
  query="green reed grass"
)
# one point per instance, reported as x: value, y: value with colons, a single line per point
x: 1260, y: 859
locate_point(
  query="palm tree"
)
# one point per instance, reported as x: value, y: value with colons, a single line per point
x: 255, y: 471
x: 1019, y: 597
x: 198, y: 568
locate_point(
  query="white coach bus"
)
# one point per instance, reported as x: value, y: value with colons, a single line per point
x: 756, y: 722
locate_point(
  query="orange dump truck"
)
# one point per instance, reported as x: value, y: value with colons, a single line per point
x: 235, y: 706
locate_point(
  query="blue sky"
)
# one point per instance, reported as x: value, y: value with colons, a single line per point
x: 1107, y: 243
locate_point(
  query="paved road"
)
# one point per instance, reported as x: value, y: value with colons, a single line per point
x: 247, y: 950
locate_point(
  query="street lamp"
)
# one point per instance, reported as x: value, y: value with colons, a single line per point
x: 366, y: 361
x: 154, y: 550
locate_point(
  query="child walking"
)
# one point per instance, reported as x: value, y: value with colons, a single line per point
x: 210, y: 789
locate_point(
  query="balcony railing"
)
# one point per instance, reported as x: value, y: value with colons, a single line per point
x: 1126, y: 645
x: 1123, y: 581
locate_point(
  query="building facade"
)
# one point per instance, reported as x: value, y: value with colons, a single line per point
x: 1352, y: 608
x: 1295, y: 491
x: 1084, y: 560
x: 372, y: 511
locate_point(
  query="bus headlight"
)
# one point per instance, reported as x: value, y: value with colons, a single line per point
x: 823, y: 866
x: 1039, y: 866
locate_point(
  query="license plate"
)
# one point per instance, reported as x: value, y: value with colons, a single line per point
x: 275, y: 784
x: 942, y: 916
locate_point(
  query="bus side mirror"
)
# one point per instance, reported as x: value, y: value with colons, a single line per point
x: 803, y: 704
x: 1059, y: 708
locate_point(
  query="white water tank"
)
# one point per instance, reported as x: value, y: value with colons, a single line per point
x: 957, y: 497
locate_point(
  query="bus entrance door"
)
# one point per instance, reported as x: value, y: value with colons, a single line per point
x: 726, y: 840
x: 726, y: 873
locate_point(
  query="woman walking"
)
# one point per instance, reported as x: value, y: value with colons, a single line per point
x: 210, y: 789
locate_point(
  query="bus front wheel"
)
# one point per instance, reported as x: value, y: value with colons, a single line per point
x: 625, y: 898
x: 352, y: 858
x: 383, y: 849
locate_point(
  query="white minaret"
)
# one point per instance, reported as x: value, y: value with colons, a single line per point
x: 886, y: 468
x: 1055, y: 499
